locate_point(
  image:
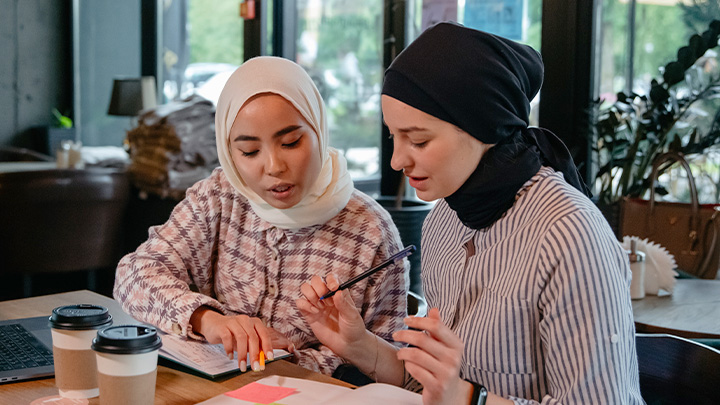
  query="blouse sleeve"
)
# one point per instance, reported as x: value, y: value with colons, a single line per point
x: 155, y: 283
x: 587, y: 329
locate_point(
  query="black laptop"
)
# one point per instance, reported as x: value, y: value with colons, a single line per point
x: 25, y: 349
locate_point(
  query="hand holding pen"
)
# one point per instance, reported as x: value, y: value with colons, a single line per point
x: 397, y: 256
x: 336, y: 320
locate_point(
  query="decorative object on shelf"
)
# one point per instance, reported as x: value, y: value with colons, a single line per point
x: 632, y: 132
x: 173, y: 147
x: 690, y: 232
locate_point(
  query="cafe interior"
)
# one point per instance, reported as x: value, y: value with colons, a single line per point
x: 109, y: 110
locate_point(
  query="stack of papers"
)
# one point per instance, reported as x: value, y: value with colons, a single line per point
x: 207, y: 359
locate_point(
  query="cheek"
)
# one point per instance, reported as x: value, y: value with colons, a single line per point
x: 243, y: 166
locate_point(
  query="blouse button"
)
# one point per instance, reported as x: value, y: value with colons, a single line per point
x: 614, y: 338
x: 177, y: 329
x: 272, y: 290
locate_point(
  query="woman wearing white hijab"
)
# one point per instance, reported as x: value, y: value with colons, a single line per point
x: 281, y: 209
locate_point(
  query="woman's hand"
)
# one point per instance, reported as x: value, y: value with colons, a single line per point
x: 435, y: 359
x: 335, y: 321
x: 238, y: 333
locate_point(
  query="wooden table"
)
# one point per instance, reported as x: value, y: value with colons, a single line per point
x: 691, y: 311
x: 173, y: 387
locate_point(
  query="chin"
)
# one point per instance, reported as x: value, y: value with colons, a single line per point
x: 426, y: 196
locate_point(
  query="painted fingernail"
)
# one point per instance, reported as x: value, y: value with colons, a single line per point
x: 243, y: 366
x: 256, y: 366
x: 270, y: 355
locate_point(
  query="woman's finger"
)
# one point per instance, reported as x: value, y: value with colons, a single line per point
x: 253, y: 342
x: 306, y: 308
x: 345, y: 305
x: 333, y: 283
x: 420, y: 373
x: 436, y: 328
x: 266, y: 344
x: 239, y: 339
x: 320, y: 289
x: 226, y: 338
x: 310, y: 294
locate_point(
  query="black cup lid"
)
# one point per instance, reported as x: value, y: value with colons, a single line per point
x: 80, y: 316
x: 127, y: 339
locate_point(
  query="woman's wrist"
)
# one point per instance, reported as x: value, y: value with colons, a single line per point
x: 199, y: 316
x: 361, y: 353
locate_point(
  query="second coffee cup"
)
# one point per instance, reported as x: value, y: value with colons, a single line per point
x: 127, y: 364
x: 73, y: 328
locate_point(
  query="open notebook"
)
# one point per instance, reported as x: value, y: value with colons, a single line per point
x: 280, y: 390
x: 205, y: 359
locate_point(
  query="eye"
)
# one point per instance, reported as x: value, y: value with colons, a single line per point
x: 248, y: 154
x: 419, y: 144
x: 293, y: 143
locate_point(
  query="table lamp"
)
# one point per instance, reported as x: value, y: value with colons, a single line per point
x: 132, y: 95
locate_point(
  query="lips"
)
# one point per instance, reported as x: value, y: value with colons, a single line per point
x: 281, y: 188
x: 282, y: 191
x: 416, y: 182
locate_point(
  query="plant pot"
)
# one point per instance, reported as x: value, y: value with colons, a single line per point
x: 409, y: 219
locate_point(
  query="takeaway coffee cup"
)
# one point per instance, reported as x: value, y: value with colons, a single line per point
x: 73, y: 328
x: 127, y: 364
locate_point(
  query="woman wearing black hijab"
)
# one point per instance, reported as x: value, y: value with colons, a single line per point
x: 528, y: 286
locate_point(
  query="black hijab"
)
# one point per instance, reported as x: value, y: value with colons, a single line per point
x: 482, y: 84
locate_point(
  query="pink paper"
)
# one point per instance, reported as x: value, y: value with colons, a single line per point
x: 261, y: 393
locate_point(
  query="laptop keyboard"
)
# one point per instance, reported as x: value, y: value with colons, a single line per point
x: 20, y: 349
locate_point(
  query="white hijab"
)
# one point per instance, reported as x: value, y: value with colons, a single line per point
x: 333, y: 187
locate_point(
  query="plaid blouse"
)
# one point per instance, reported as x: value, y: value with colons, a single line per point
x: 215, y: 251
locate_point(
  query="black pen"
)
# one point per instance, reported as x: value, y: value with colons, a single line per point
x: 397, y: 256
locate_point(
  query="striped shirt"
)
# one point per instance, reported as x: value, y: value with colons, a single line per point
x: 240, y: 264
x: 540, y: 299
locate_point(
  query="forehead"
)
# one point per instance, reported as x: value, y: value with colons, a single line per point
x: 399, y: 115
x: 266, y: 110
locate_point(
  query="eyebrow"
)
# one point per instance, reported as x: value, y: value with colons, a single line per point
x: 411, y: 129
x: 284, y: 131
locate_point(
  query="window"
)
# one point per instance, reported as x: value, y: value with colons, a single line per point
x: 202, y: 46
x: 339, y: 43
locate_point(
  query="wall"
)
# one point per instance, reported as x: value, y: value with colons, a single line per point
x: 35, y: 66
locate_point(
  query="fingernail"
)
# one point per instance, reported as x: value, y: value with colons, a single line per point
x: 243, y: 366
x: 314, y: 310
x: 230, y: 356
x: 270, y: 356
x: 256, y: 366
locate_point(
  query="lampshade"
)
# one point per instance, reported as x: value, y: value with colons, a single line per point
x: 131, y: 95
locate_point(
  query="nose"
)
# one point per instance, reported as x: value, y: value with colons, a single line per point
x: 399, y: 160
x: 275, y: 164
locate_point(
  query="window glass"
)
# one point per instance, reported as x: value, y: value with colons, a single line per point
x: 207, y: 49
x: 339, y: 44
x: 658, y: 30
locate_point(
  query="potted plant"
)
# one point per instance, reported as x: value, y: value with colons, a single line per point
x: 631, y: 132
